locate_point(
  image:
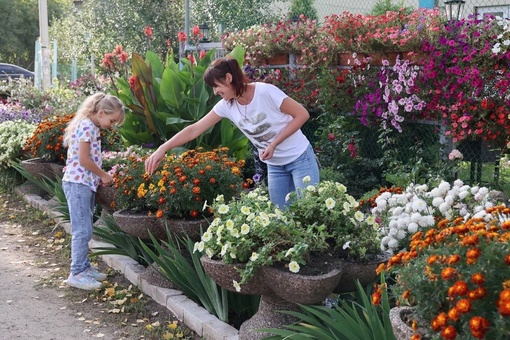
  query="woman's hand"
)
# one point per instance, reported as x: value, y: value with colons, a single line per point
x: 267, y: 153
x: 152, y: 162
x: 106, y: 179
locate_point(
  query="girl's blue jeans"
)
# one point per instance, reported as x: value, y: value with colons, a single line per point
x: 283, y: 179
x: 80, y: 200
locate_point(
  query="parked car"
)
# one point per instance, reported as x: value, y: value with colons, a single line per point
x: 13, y: 71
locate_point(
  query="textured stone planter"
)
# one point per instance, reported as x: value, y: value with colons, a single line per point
x: 279, y: 290
x: 180, y: 227
x: 38, y: 168
x: 400, y: 328
x: 106, y: 197
x: 364, y: 272
x: 138, y: 224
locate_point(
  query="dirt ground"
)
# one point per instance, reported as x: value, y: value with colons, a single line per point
x: 35, y: 303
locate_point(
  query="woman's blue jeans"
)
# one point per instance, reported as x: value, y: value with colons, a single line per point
x: 283, y: 179
x: 80, y: 200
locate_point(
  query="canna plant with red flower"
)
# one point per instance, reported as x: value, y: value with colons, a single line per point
x: 457, y: 275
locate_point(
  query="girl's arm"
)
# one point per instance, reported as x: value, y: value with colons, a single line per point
x: 89, y: 164
x: 299, y: 116
x: 187, y: 134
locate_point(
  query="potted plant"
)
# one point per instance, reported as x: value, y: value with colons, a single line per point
x: 176, y: 193
x: 454, y: 274
x: 293, y: 255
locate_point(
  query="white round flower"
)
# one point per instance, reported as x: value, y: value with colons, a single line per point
x: 384, y: 240
x: 245, y: 210
x: 206, y: 237
x: 223, y: 209
x: 443, y: 208
x: 401, y: 234
x: 474, y: 190
x: 358, y: 215
x: 294, y: 267
x: 412, y: 227
x: 229, y: 224
x: 415, y: 217
x: 307, y: 179
x: 235, y: 233
x: 245, y: 229
x: 419, y: 205
x: 393, y: 243
x: 254, y: 256
x: 392, y: 201
x: 397, y: 211
x: 381, y: 203
x: 444, y: 186
x: 209, y: 252
x: 330, y: 203
x: 437, y: 201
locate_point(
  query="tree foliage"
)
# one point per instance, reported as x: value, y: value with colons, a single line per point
x: 19, y: 25
x: 305, y: 7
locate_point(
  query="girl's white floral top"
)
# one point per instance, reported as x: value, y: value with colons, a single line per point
x: 86, y: 132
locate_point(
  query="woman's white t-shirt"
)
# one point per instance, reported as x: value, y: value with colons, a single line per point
x: 261, y: 121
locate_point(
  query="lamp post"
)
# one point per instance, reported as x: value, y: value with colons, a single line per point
x: 204, y: 29
x: 454, y: 9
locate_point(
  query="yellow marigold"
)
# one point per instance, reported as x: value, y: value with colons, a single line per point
x: 141, y: 191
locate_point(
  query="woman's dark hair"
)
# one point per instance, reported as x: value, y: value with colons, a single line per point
x: 217, y: 72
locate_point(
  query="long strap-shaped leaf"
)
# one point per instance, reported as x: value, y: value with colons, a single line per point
x: 142, y: 86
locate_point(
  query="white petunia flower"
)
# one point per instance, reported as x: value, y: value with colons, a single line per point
x: 245, y: 210
x: 236, y: 286
x: 358, y: 215
x: 254, y: 256
x: 223, y: 209
x: 330, y: 203
x: 245, y: 229
x: 229, y: 224
x: 206, y: 237
x: 294, y: 267
x: 307, y: 179
x: 346, y: 245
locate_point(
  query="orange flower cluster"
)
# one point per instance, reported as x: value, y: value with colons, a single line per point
x: 457, y: 274
x: 47, y: 140
x: 182, y: 184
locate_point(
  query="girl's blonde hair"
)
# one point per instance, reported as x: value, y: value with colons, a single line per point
x: 91, y: 106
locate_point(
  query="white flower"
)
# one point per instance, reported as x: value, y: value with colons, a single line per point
x: 236, y: 286
x: 223, y: 209
x: 206, y: 237
x: 245, y: 210
x: 412, y: 227
x: 224, y: 249
x: 235, y: 233
x: 419, y: 205
x: 254, y: 256
x: 358, y: 215
x: 245, y: 229
x: 427, y: 220
x: 307, y: 179
x: 401, y: 234
x: 437, y: 201
x: 294, y: 267
x: 209, y: 252
x: 229, y: 224
x: 330, y: 203
x: 346, y: 245
x: 371, y: 220
x: 393, y: 243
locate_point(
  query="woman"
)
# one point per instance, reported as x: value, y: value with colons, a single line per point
x: 267, y: 116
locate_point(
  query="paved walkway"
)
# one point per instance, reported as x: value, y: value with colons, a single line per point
x: 195, y: 317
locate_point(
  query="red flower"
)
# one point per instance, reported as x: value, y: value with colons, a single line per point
x: 148, y: 32
x: 195, y: 31
x: 182, y: 37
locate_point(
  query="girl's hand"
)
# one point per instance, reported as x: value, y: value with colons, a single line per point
x: 152, y: 162
x: 267, y: 153
x: 106, y: 179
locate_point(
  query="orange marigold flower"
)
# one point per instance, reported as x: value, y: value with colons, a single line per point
x: 453, y: 314
x: 195, y: 190
x: 505, y: 295
x: 183, y: 178
x: 460, y: 288
x: 162, y: 200
x: 479, y: 324
x: 416, y: 337
x: 505, y: 225
x: 448, y: 273
x: 470, y: 240
x: 376, y: 297
x: 477, y: 293
x: 159, y: 214
x: 507, y: 259
x: 196, y: 181
x: 453, y: 259
x: 212, y: 180
x: 472, y: 255
x: 432, y: 259
x: 173, y: 191
x: 201, y: 172
x: 380, y: 268
x: 463, y: 306
x: 439, y: 321
x: 449, y: 333
x: 504, y: 307
x: 194, y: 213
x: 478, y: 278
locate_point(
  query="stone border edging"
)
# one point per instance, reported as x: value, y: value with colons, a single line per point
x: 185, y: 310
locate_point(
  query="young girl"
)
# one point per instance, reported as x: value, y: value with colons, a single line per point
x: 82, y: 175
x: 267, y: 116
